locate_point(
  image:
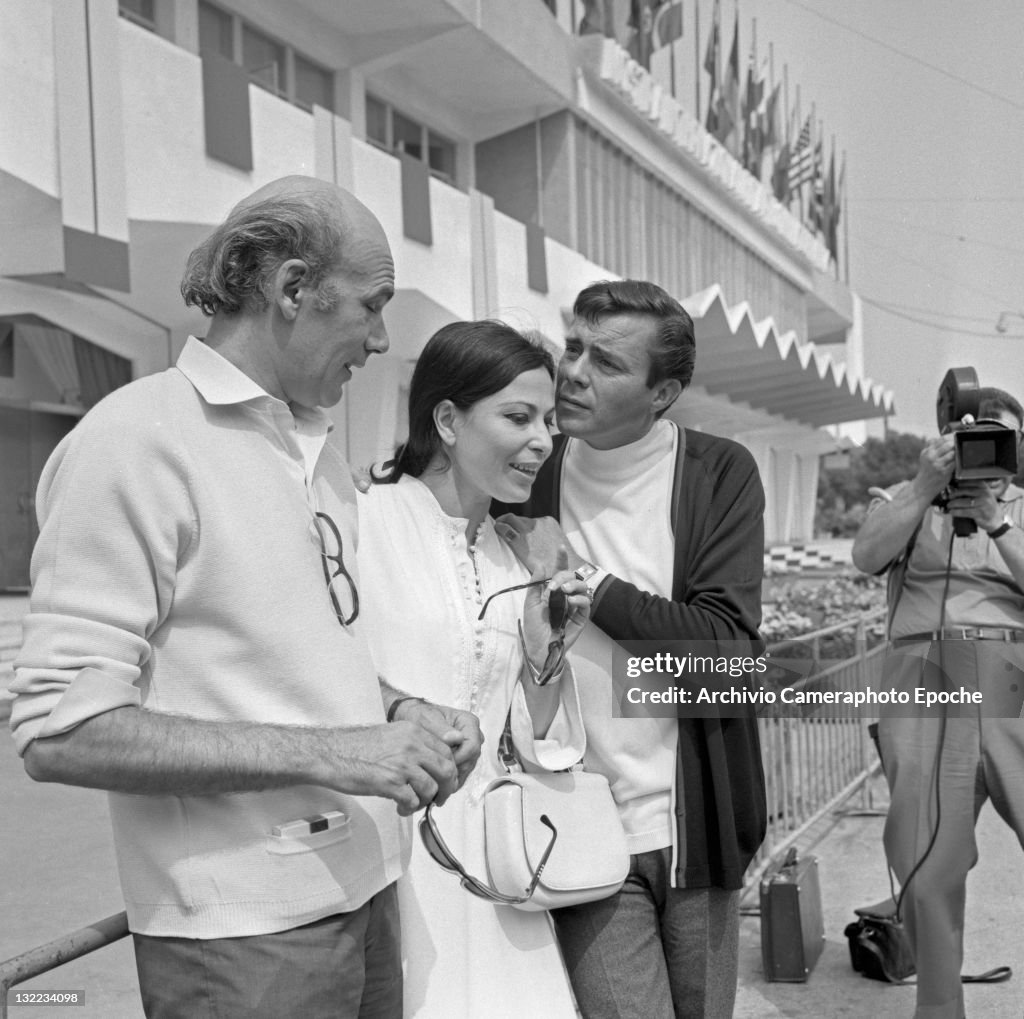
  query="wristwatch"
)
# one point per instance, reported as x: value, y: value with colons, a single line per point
x: 999, y: 531
x: 585, y: 571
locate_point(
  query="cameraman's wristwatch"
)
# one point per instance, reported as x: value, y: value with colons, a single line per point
x: 999, y: 531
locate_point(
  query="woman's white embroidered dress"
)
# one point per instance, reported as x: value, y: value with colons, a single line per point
x: 421, y: 588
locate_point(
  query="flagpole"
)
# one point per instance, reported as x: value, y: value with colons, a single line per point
x: 789, y: 146
x: 718, y: 56
x: 751, y: 71
x: 697, y: 63
x: 846, y: 225
x: 832, y: 182
x: 771, y: 92
x: 810, y: 194
x: 672, y: 58
x: 800, y: 186
x: 785, y: 97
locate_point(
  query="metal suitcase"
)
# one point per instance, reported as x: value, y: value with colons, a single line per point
x: 792, y: 930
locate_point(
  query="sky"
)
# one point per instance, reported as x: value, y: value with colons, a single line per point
x: 926, y: 97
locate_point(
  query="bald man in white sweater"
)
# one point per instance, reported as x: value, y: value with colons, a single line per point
x: 193, y: 643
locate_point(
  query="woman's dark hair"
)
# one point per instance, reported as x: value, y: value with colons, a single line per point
x: 464, y: 362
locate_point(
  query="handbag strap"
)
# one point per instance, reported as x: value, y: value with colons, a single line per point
x: 996, y: 975
x: 507, y: 756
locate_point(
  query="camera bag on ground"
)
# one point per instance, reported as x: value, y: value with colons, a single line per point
x: 879, y: 945
x: 880, y: 948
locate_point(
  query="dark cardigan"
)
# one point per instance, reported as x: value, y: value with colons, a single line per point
x: 718, y: 511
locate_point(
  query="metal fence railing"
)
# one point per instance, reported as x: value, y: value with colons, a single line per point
x: 813, y: 764
x: 37, y: 961
x: 816, y: 759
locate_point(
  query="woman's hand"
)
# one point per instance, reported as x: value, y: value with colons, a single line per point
x: 554, y: 616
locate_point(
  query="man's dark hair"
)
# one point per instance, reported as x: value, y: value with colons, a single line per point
x: 464, y: 362
x: 991, y: 401
x: 233, y: 269
x: 674, y: 350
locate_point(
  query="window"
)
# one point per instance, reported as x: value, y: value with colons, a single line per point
x: 377, y: 123
x: 408, y: 135
x: 142, y: 12
x: 312, y: 85
x: 6, y: 350
x: 393, y: 131
x: 263, y: 59
x: 215, y: 32
x: 270, y: 64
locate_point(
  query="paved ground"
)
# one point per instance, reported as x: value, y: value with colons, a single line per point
x: 59, y: 875
x: 852, y: 873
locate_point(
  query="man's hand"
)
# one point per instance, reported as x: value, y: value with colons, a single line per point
x: 935, y: 466
x: 536, y: 542
x: 459, y: 730
x: 403, y: 761
x: 976, y: 500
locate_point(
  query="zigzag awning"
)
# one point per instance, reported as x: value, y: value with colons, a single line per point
x: 750, y: 362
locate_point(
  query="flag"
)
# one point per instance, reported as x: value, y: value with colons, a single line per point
x: 816, y: 205
x: 837, y: 209
x: 753, y: 114
x: 711, y: 53
x: 729, y: 116
x: 668, y: 24
x: 770, y: 120
x: 594, y: 20
x: 801, y: 158
x: 641, y: 20
x: 831, y: 209
x: 780, y: 175
x: 711, y: 67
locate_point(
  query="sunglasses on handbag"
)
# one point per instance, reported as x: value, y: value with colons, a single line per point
x: 444, y: 857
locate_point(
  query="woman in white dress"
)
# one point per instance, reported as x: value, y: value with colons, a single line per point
x: 481, y: 404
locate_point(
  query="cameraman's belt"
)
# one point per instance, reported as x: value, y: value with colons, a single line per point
x: 964, y: 633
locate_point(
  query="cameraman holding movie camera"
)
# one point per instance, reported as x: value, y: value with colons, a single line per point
x: 952, y: 542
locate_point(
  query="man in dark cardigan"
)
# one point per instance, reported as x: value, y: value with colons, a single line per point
x: 666, y: 527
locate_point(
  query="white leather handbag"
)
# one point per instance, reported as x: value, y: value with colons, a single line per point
x: 589, y: 858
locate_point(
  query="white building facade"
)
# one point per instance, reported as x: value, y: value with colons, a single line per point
x: 510, y: 162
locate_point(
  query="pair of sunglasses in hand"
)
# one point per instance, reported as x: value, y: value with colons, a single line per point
x: 558, y: 614
x: 442, y: 855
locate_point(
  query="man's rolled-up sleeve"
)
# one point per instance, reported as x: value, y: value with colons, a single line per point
x: 111, y: 511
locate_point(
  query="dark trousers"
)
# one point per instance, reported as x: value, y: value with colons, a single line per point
x: 653, y: 951
x: 346, y: 966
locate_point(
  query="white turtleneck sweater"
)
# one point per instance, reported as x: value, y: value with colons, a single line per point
x: 615, y: 511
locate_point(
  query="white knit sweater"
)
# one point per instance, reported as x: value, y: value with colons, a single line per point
x: 177, y: 568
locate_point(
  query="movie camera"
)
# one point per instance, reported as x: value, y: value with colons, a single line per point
x: 984, y: 450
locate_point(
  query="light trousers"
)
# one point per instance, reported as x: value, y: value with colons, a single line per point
x: 982, y: 757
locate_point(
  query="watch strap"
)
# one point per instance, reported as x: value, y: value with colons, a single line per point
x: 999, y: 531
